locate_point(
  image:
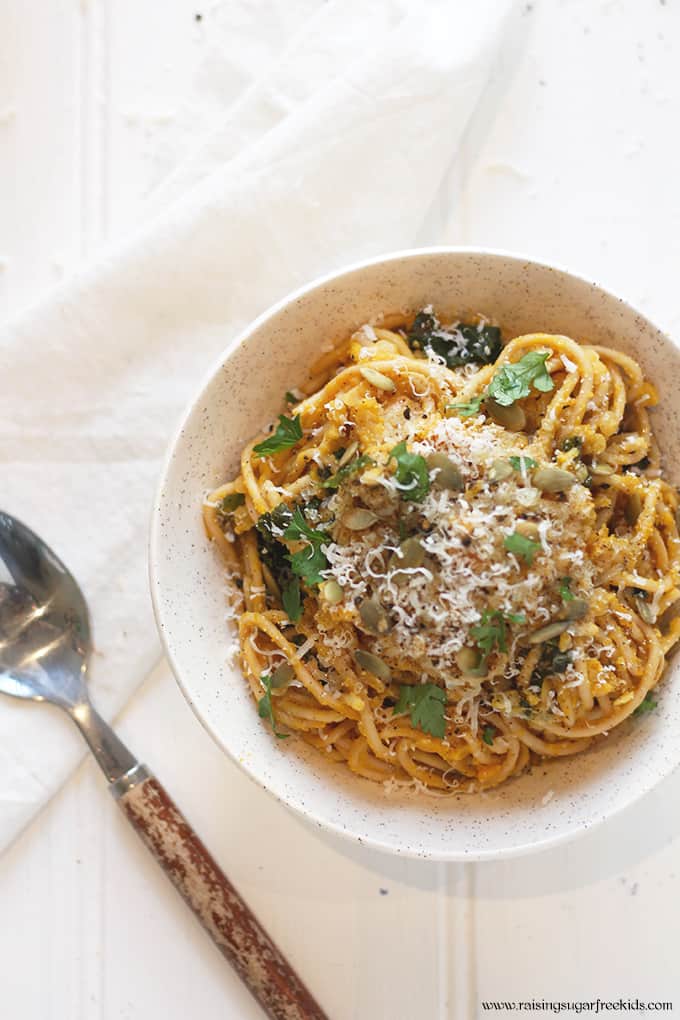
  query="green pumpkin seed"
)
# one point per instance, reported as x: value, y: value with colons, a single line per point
x: 581, y: 472
x: 529, y: 529
x: 377, y: 379
x: 331, y: 592
x: 547, y: 633
x: 552, y: 479
x: 500, y: 470
x: 576, y: 609
x: 348, y: 454
x: 448, y: 475
x: 357, y: 520
x: 512, y: 417
x: 470, y: 662
x: 372, y: 664
x: 282, y: 675
x: 410, y: 554
x: 374, y: 618
x: 633, y: 508
x: 644, y: 610
x: 601, y: 468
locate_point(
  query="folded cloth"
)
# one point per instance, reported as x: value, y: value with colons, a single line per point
x: 337, y: 152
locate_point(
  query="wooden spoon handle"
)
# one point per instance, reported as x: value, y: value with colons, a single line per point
x: 230, y: 923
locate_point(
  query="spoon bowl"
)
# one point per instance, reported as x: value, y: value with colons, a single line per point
x: 45, y: 638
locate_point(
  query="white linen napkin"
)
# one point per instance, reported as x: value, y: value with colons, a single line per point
x: 337, y: 152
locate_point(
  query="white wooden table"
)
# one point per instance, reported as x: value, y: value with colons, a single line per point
x: 579, y: 162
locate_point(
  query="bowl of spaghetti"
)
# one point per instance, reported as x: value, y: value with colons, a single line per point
x: 415, y: 554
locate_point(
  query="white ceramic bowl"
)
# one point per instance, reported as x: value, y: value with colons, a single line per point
x: 551, y: 804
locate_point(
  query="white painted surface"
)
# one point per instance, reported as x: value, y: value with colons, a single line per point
x: 577, y: 161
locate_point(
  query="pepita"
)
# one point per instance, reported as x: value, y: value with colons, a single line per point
x: 410, y: 554
x: 500, y: 470
x: 331, y: 592
x: 372, y: 664
x: 470, y: 662
x: 511, y: 417
x: 576, y: 609
x: 601, y: 468
x: 374, y: 618
x: 581, y: 472
x: 282, y: 675
x: 552, y: 479
x: 377, y: 379
x: 644, y: 610
x: 448, y: 475
x: 547, y: 633
x: 349, y: 453
x: 529, y: 529
x: 633, y: 508
x: 357, y: 520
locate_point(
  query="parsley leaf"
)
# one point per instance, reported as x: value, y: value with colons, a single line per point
x: 467, y: 408
x: 310, y: 561
x: 522, y: 463
x: 488, y: 735
x: 648, y: 704
x: 490, y: 633
x: 413, y: 477
x: 522, y: 546
x: 513, y: 380
x: 290, y: 398
x: 230, y: 502
x: 288, y: 433
x: 565, y: 589
x: 426, y: 704
x: 336, y: 480
x: 265, y: 708
x: 291, y: 600
x: 270, y: 528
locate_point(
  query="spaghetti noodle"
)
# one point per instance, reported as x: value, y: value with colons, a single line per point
x: 453, y: 557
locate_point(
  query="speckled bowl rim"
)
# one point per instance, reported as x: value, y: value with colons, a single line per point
x: 644, y: 785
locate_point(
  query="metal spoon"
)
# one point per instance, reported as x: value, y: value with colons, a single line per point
x: 45, y: 645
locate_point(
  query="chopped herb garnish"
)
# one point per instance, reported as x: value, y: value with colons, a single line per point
x: 522, y: 463
x: 270, y: 528
x: 412, y: 475
x: 423, y: 325
x: 230, y: 502
x: 467, y: 408
x: 648, y: 704
x: 522, y: 546
x: 513, y: 380
x: 488, y: 735
x: 336, y: 480
x: 490, y: 633
x: 288, y: 433
x: 426, y: 704
x: 310, y: 561
x: 565, y: 589
x: 551, y: 663
x: 290, y: 398
x: 292, y: 600
x: 460, y: 344
x: 572, y: 443
x: 265, y: 708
